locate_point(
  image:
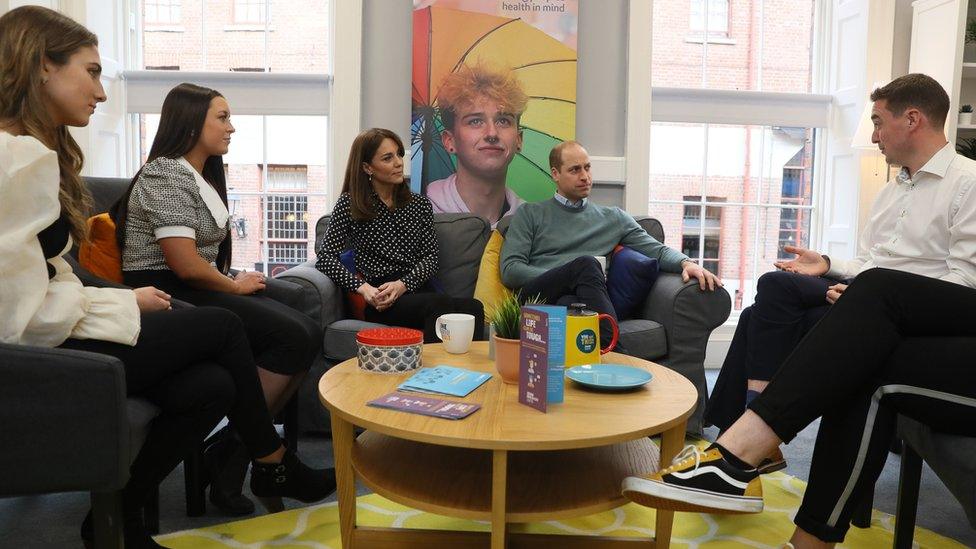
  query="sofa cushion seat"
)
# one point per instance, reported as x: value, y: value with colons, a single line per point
x: 340, y: 338
x: 644, y: 338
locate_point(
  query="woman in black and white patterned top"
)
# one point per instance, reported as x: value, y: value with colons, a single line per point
x: 392, y: 232
x: 173, y: 231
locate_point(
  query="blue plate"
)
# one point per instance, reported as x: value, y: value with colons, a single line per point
x: 609, y: 377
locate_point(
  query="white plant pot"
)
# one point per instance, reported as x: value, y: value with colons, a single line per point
x: 965, y: 119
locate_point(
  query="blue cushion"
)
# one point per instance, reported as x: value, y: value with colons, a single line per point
x: 348, y: 260
x: 630, y: 279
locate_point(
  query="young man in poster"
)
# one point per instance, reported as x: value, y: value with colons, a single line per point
x: 480, y: 107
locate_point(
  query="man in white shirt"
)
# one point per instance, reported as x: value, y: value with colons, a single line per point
x: 923, y: 221
x: 480, y: 108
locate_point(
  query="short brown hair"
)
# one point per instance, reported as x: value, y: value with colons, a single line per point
x: 467, y: 82
x: 556, y: 154
x: 915, y: 90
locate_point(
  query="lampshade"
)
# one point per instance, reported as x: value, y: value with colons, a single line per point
x: 862, y: 137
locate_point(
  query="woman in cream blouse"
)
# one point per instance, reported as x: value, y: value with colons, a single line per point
x: 194, y: 364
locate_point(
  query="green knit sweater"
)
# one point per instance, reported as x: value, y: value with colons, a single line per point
x: 545, y: 235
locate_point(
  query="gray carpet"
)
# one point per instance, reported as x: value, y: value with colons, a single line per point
x: 52, y: 521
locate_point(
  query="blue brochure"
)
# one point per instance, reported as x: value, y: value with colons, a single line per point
x: 445, y: 380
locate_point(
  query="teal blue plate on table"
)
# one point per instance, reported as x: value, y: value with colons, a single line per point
x: 609, y: 377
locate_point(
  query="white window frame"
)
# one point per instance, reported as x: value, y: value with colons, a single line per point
x: 707, y: 106
x: 265, y: 93
x: 697, y: 26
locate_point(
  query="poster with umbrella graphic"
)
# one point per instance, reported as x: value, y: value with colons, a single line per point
x: 535, y: 40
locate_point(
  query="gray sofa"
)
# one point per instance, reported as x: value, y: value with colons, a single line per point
x: 671, y: 328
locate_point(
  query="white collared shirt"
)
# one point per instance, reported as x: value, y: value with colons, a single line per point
x: 578, y: 205
x: 925, y: 224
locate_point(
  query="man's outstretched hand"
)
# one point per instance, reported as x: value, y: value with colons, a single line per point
x: 807, y: 262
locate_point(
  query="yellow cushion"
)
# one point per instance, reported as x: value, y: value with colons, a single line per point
x: 100, y: 255
x: 489, y: 289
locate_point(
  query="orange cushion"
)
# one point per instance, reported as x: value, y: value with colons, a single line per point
x: 100, y: 255
x: 356, y: 305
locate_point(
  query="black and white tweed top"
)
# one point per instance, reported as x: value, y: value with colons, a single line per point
x: 167, y: 201
x: 395, y: 244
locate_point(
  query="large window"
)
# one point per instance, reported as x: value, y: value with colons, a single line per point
x: 162, y: 12
x: 732, y: 171
x: 271, y: 61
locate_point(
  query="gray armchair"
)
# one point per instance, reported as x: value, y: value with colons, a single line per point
x: 68, y: 426
x: 672, y: 327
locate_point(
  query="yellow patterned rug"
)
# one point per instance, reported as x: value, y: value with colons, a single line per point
x: 317, y: 527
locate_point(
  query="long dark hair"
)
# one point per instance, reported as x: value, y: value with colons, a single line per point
x: 28, y: 34
x: 180, y: 124
x: 357, y: 183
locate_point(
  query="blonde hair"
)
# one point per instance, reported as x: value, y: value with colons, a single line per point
x: 468, y: 82
x: 28, y: 35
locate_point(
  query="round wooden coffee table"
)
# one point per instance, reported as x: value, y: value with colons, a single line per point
x: 506, y: 463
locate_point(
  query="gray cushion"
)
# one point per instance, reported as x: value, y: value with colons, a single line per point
x: 461, y: 239
x: 950, y: 456
x: 140, y: 413
x: 643, y: 338
x: 340, y: 338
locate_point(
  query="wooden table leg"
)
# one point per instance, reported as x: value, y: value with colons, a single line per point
x: 671, y: 442
x: 499, y: 481
x: 342, y: 441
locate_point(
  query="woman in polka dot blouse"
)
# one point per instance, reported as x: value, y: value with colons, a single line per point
x: 392, y: 232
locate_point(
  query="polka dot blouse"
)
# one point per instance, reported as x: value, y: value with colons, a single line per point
x: 396, y: 244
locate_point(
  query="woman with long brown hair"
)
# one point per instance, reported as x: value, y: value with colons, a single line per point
x: 173, y: 231
x: 194, y: 364
x: 392, y: 232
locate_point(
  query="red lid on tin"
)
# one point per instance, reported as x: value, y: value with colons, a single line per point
x: 390, y: 336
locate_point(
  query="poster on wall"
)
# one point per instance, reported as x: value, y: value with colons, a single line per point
x: 494, y: 89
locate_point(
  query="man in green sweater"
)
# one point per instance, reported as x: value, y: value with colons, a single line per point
x: 550, y: 246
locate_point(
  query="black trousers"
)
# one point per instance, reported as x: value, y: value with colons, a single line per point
x: 579, y: 281
x: 283, y: 340
x: 196, y: 366
x: 894, y: 343
x: 787, y: 306
x: 420, y: 310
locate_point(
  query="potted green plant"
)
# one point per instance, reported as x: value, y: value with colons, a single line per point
x: 506, y: 320
x: 966, y: 115
x: 967, y: 147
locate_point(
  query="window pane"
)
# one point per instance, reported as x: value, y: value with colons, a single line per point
x: 749, y: 44
x: 215, y: 35
x: 276, y: 186
x: 753, y: 181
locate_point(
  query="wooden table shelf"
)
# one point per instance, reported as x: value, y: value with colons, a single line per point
x: 546, y: 485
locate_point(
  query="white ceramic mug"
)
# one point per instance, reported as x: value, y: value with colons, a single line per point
x: 456, y: 330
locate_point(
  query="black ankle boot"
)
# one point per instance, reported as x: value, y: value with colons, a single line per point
x: 134, y: 533
x: 292, y: 479
x: 226, y: 462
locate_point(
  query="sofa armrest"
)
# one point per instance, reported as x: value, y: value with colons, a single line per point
x: 688, y: 315
x: 319, y: 297
x: 64, y: 421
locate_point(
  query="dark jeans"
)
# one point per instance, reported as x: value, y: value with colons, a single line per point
x: 579, y: 281
x: 787, y: 306
x: 895, y: 343
x: 196, y: 366
x: 283, y: 340
x: 420, y: 310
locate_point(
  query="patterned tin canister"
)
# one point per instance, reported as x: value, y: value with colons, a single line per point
x: 390, y: 350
